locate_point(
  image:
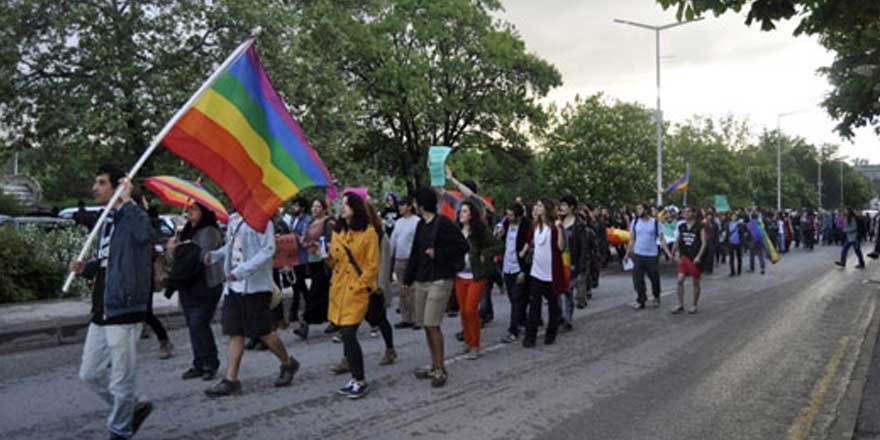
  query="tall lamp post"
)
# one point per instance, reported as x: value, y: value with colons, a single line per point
x: 658, y: 117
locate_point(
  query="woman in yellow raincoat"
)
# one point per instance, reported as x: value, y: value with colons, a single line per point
x: 354, y: 258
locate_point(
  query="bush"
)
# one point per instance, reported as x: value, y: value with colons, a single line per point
x: 34, y: 262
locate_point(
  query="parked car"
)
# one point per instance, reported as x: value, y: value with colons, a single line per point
x: 44, y: 222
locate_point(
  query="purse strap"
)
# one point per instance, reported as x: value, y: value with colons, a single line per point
x: 351, y: 260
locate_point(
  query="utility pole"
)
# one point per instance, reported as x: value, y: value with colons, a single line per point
x: 658, y: 115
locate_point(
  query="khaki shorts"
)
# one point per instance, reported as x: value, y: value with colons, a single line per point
x: 431, y: 299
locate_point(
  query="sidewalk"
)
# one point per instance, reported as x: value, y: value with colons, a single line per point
x: 38, y: 324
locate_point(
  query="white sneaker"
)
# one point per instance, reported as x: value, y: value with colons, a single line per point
x: 473, y: 354
x: 346, y: 390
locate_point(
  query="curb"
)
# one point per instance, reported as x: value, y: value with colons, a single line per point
x: 844, y: 426
x: 69, y: 330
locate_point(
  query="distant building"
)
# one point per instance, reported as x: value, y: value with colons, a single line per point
x: 872, y: 172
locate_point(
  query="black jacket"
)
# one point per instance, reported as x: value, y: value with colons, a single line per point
x: 448, y: 242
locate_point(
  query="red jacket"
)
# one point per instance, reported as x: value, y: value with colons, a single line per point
x: 559, y: 286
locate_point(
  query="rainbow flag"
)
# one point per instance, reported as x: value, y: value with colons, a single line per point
x: 680, y: 185
x: 756, y: 227
x: 240, y: 134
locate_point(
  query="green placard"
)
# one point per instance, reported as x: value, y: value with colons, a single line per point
x: 721, y: 204
x: 437, y: 164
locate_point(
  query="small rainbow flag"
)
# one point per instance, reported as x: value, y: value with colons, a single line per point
x: 680, y: 185
x: 240, y: 134
x: 756, y: 227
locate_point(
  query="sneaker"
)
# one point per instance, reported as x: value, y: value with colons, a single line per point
x: 302, y: 331
x: 402, y: 324
x: 655, y: 303
x: 192, y: 373
x: 566, y: 327
x: 528, y: 342
x: 839, y: 264
x: 331, y: 328
x: 374, y: 332
x: 142, y: 410
x: 861, y: 266
x: 459, y: 336
x: 166, y: 349
x: 389, y: 358
x: 337, y: 339
x: 438, y: 377
x: 692, y: 311
x: 285, y: 377
x: 340, y: 368
x: 224, y: 388
x: 677, y: 311
x: 357, y: 390
x: 638, y: 305
x: 423, y: 373
x: 581, y: 304
x: 509, y: 339
x: 762, y: 272
x: 549, y: 340
x: 346, y: 390
x: 473, y: 354
x: 209, y: 375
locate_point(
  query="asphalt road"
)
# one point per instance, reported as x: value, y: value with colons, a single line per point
x: 767, y: 357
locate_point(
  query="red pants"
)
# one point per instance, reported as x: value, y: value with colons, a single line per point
x: 468, y: 294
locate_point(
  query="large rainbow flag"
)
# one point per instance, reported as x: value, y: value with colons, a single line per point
x: 680, y: 185
x: 241, y: 135
x: 756, y: 227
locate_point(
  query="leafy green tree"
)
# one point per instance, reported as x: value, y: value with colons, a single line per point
x: 849, y: 28
x: 432, y: 73
x: 600, y: 151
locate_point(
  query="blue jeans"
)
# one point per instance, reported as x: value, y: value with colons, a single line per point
x: 856, y: 247
x: 198, y: 321
x: 113, y: 348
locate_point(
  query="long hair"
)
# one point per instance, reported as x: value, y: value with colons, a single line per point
x: 476, y: 223
x: 359, y: 219
x: 374, y: 219
x: 549, y: 213
x: 208, y: 219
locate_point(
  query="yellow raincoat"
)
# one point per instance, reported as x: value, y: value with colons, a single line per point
x: 350, y: 292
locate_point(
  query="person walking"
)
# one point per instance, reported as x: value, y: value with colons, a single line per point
x: 515, y: 267
x: 299, y: 223
x: 691, y: 248
x: 470, y: 281
x: 546, y: 278
x: 576, y: 256
x: 852, y: 239
x: 733, y: 239
x: 756, y: 247
x: 642, y: 250
x: 437, y: 254
x: 247, y: 265
x: 316, y: 241
x: 401, y: 245
x: 199, y: 286
x: 354, y: 257
x: 121, y: 276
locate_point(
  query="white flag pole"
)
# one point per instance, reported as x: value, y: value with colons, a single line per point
x: 155, y: 144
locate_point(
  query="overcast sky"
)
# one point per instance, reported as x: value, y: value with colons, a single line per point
x: 717, y: 66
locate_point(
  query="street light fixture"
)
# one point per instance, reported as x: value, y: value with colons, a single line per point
x: 658, y: 117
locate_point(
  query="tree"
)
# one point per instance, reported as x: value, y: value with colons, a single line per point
x: 849, y: 28
x: 433, y: 73
x: 601, y: 152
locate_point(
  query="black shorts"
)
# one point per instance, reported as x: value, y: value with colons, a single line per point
x: 247, y: 315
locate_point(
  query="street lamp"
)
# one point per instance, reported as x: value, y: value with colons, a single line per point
x: 842, y: 160
x: 659, y: 114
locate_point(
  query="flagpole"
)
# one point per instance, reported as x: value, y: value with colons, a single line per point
x: 687, y: 171
x: 155, y: 144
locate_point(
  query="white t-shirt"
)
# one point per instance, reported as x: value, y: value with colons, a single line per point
x: 542, y: 259
x: 511, y: 264
x: 237, y: 259
x: 402, y: 236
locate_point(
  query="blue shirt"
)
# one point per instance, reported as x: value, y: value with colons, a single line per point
x: 645, y: 237
x: 733, y: 232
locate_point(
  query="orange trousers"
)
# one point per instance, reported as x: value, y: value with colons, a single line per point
x: 468, y: 294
